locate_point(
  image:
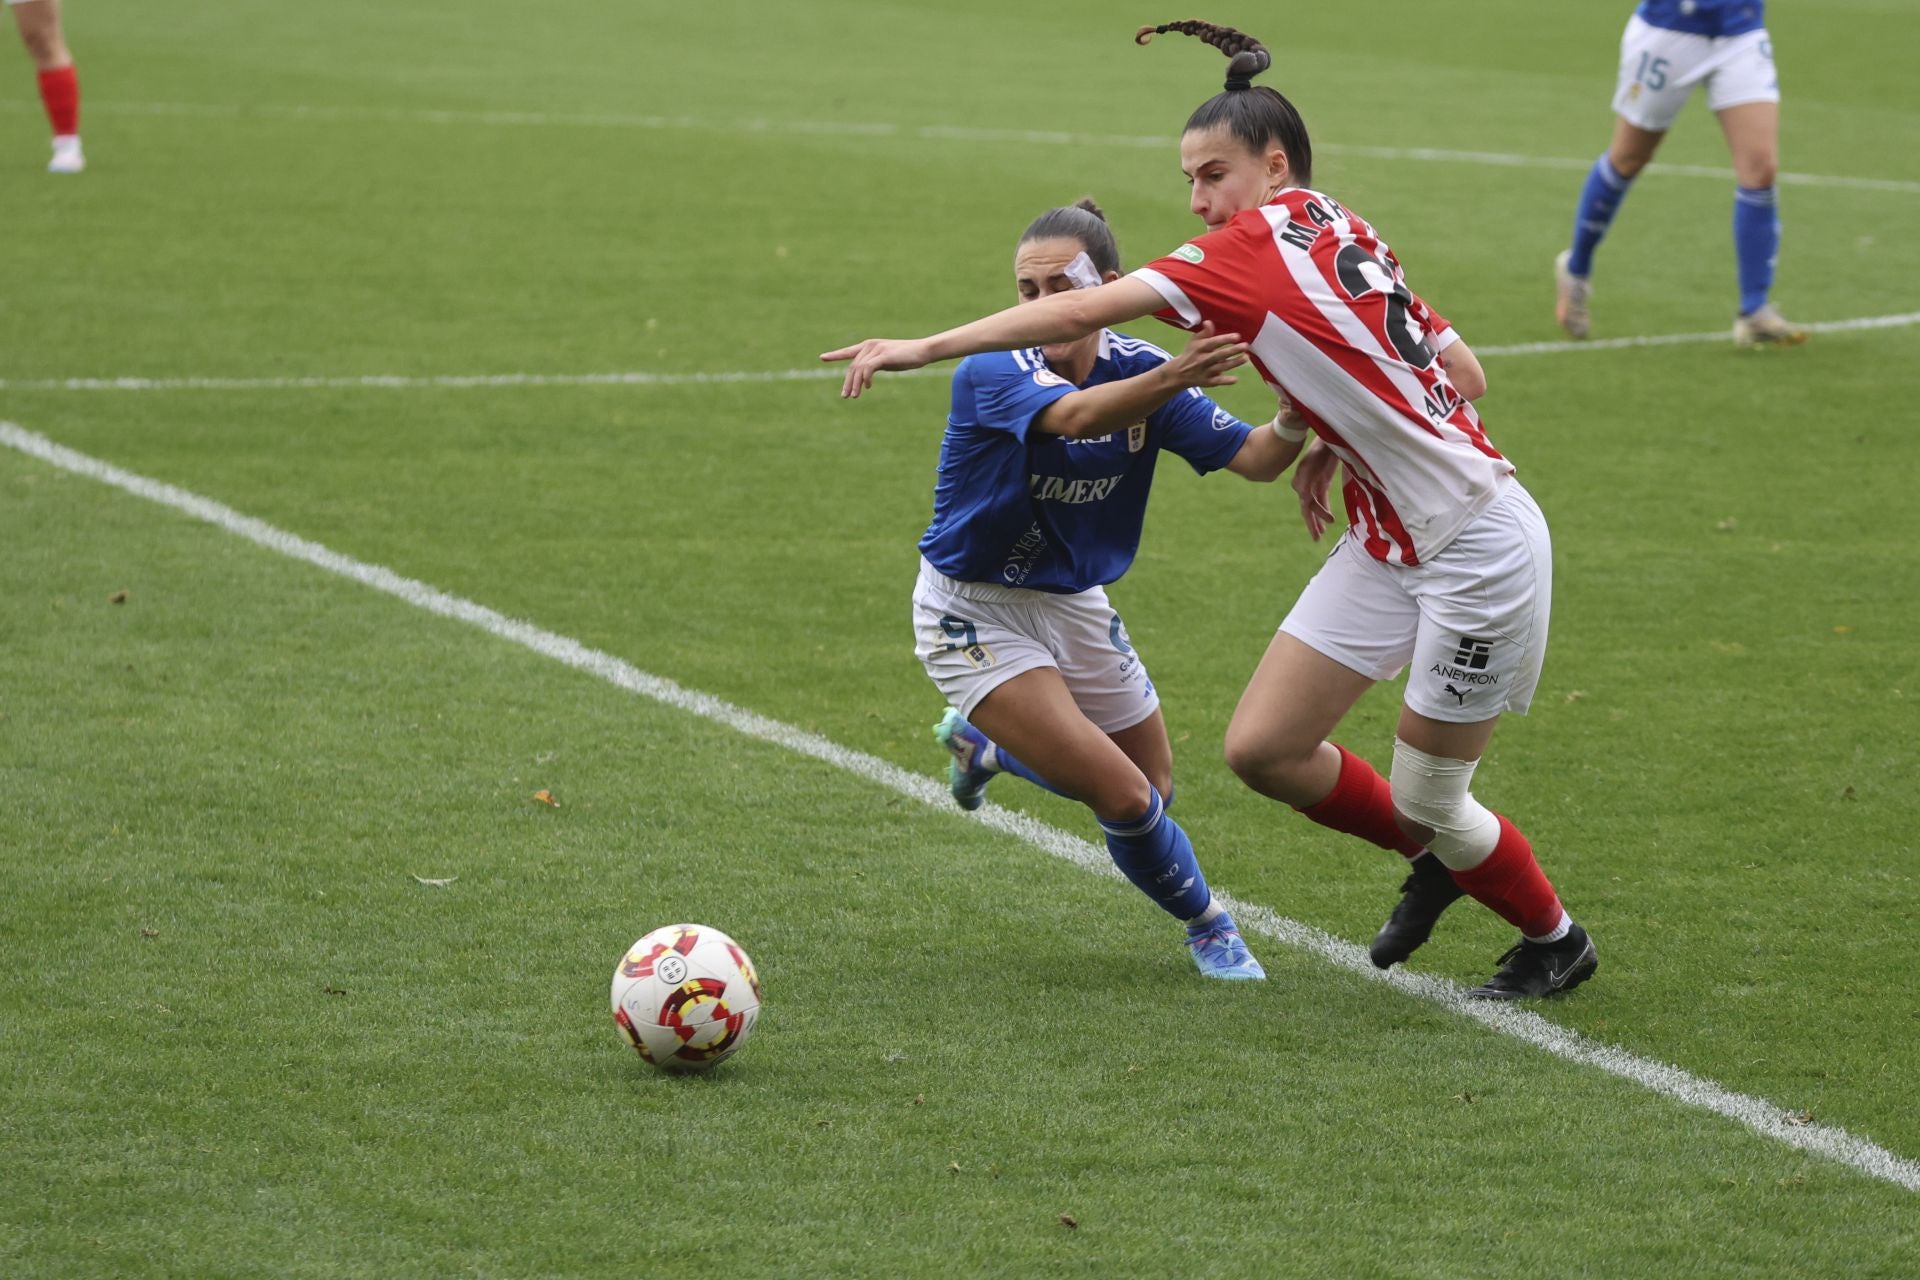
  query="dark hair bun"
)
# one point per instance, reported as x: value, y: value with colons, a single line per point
x: 1086, y: 202
x: 1248, y: 63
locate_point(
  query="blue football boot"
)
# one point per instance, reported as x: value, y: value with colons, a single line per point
x: 966, y: 777
x: 1221, y: 953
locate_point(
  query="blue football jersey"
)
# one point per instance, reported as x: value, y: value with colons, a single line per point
x: 1705, y: 17
x: 1025, y: 508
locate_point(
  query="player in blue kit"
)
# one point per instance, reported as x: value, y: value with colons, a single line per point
x: 1669, y: 47
x: 1044, y: 473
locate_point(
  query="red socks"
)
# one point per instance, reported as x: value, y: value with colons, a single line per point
x: 1512, y: 884
x: 1509, y: 881
x: 60, y: 90
x: 1361, y: 804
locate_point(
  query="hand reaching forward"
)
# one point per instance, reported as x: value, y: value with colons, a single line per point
x: 1208, y: 358
x: 873, y: 355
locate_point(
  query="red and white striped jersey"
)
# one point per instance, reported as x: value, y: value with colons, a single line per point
x: 1332, y: 326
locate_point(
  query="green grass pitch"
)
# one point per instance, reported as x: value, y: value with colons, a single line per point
x: 238, y: 1037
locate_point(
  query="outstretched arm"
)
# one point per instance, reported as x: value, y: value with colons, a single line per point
x: 1059, y: 317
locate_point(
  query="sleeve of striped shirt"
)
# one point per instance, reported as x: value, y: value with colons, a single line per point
x: 1206, y: 279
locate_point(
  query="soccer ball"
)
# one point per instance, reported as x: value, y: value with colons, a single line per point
x: 686, y: 996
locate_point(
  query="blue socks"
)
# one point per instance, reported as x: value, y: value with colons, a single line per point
x: 1756, y: 241
x: 1151, y: 850
x: 1155, y: 854
x: 1599, y: 200
x: 1756, y: 230
x: 998, y: 758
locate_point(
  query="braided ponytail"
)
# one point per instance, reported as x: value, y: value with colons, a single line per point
x: 1248, y: 56
x: 1259, y: 117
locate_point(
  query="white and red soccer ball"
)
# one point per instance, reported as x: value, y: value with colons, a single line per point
x: 686, y: 996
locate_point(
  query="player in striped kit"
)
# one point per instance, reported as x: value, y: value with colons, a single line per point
x: 1045, y: 470
x: 1669, y: 48
x: 39, y: 23
x: 1446, y: 565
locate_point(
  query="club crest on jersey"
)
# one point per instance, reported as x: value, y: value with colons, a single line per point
x: 1136, y: 437
x: 1048, y: 378
x: 979, y: 655
x: 1190, y: 253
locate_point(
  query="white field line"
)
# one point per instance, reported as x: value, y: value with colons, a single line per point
x: 928, y: 133
x: 456, y: 381
x: 817, y: 374
x: 1765, y: 1118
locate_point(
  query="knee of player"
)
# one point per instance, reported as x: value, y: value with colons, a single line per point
x: 1758, y: 169
x: 1434, y: 804
x: 1122, y: 798
x: 1628, y: 161
x: 1274, y: 764
x: 1252, y: 755
x: 45, y: 48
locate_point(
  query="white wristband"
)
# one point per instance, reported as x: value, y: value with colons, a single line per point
x: 1292, y: 435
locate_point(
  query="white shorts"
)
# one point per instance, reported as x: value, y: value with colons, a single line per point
x: 1659, y: 68
x: 1472, y: 621
x: 973, y: 637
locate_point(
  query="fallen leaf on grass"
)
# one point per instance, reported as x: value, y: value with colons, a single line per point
x: 437, y: 884
x: 954, y: 1167
x: 118, y: 597
x: 545, y: 797
x: 1463, y: 1096
x: 1068, y: 1221
x: 145, y: 932
x: 1799, y: 1117
x: 335, y: 991
x: 1727, y: 525
x: 919, y: 1099
x: 1574, y: 695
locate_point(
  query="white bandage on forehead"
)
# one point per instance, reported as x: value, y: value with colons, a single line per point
x: 1082, y: 272
x: 1433, y: 791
